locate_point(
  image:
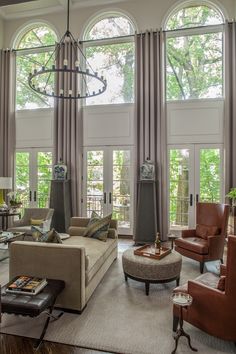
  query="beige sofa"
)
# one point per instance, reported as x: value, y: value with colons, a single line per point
x: 80, y: 261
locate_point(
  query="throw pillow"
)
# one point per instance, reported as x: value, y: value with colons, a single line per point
x: 98, y: 227
x: 221, y: 283
x: 36, y: 222
x: 204, y: 231
x: 51, y: 236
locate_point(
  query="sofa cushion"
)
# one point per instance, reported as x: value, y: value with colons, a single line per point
x: 204, y: 231
x: 36, y: 222
x: 194, y: 244
x: 98, y: 227
x: 96, y: 252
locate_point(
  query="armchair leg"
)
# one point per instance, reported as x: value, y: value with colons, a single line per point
x: 221, y: 261
x: 175, y: 323
x: 201, y: 267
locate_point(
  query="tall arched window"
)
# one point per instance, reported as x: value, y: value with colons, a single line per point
x: 194, y: 53
x: 109, y: 48
x: 33, y: 44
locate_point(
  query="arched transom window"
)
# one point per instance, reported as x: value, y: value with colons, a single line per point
x: 34, y: 50
x: 194, y: 53
x: 109, y: 48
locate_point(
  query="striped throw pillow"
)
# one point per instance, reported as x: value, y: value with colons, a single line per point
x: 98, y: 227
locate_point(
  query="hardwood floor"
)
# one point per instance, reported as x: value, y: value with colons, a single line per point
x: 19, y: 345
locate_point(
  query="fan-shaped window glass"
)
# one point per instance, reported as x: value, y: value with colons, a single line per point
x: 194, y: 65
x: 114, y: 59
x: 194, y: 16
x: 112, y: 26
x: 34, y: 39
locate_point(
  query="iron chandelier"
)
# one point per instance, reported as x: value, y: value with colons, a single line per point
x: 75, y: 72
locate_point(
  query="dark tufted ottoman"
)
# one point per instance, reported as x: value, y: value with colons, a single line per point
x: 33, y: 305
x: 148, y: 270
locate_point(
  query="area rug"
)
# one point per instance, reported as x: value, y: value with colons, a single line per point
x: 120, y: 318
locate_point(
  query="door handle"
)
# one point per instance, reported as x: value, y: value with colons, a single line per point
x: 191, y: 200
x: 35, y: 196
x: 105, y: 198
x: 110, y: 197
x: 30, y: 196
x: 197, y: 197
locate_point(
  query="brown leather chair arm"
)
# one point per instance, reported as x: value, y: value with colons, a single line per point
x: 188, y: 233
x: 200, y: 292
x: 216, y: 246
x: 223, y: 270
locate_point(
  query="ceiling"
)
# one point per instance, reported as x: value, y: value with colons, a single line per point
x: 11, y: 9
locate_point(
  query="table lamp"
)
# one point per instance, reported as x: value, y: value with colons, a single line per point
x: 5, y: 183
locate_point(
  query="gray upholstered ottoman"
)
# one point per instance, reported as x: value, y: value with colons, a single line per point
x: 149, y: 270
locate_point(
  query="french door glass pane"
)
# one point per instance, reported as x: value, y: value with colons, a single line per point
x: 95, y: 183
x: 121, y: 187
x: 44, y: 172
x: 179, y: 188
x: 210, y: 175
x: 22, y: 177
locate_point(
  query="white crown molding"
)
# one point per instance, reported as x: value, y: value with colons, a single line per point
x: 8, y: 13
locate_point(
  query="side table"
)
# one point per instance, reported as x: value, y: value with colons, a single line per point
x: 182, y: 300
x: 5, y: 215
x: 172, y: 238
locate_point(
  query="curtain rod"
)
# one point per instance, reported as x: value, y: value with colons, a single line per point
x: 126, y: 36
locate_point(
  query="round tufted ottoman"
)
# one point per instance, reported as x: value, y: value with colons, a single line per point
x: 149, y: 270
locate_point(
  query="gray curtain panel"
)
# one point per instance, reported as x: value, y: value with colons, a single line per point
x: 150, y: 121
x: 68, y: 128
x: 7, y: 112
x: 230, y: 106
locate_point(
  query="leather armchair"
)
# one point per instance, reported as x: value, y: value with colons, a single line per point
x: 218, y: 318
x: 24, y: 224
x: 211, y: 246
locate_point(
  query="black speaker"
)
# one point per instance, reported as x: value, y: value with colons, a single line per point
x: 60, y: 201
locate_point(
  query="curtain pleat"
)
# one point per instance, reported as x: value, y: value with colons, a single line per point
x: 68, y: 128
x: 150, y: 122
x: 230, y: 106
x: 7, y: 112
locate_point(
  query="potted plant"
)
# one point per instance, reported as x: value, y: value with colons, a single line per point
x: 14, y: 201
x: 232, y: 196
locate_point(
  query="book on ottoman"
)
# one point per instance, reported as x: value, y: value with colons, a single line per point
x: 26, y: 285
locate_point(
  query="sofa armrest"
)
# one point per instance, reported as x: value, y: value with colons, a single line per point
x: 188, y: 233
x: 53, y: 261
x: 112, y: 233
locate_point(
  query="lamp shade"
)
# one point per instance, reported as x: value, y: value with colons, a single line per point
x: 5, y: 183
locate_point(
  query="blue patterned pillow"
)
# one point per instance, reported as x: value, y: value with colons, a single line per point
x: 98, y: 227
x: 51, y: 236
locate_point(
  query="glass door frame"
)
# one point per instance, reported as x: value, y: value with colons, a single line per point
x: 194, y: 175
x: 33, y: 175
x: 108, y: 181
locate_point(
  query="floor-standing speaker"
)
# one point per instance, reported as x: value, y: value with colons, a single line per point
x: 146, y: 216
x: 60, y: 201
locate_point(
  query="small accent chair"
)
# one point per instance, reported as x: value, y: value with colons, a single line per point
x: 206, y: 242
x: 24, y: 224
x: 213, y: 309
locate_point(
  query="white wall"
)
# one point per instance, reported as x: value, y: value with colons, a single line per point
x: 147, y: 14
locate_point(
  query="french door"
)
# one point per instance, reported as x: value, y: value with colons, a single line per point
x: 108, y: 184
x: 33, y: 173
x: 195, y: 174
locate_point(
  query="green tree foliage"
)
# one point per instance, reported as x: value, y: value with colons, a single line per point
x: 194, y: 62
x: 26, y: 63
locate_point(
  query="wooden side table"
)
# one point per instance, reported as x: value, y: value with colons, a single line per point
x: 172, y: 238
x: 5, y: 215
x: 182, y: 300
